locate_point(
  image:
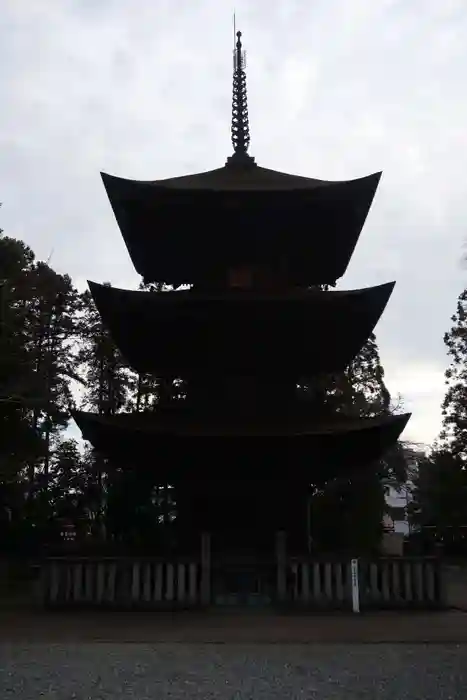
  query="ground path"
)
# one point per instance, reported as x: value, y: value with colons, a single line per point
x: 242, y: 671
x: 218, y: 627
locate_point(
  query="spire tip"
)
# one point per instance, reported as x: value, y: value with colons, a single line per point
x: 240, y: 129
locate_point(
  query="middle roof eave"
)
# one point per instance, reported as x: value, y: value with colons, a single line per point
x: 107, y: 296
x: 311, y: 332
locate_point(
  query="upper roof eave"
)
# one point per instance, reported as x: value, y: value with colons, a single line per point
x: 233, y: 178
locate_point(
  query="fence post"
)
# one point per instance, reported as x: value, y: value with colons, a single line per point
x: 440, y: 573
x: 355, y: 586
x: 281, y: 562
x: 205, y: 568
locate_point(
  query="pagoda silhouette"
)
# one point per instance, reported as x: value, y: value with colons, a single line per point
x: 248, y: 255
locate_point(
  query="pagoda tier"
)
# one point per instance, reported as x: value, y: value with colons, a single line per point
x: 240, y: 332
x: 176, y: 447
x: 195, y: 229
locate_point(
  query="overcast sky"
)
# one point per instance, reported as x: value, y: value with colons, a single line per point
x: 337, y: 89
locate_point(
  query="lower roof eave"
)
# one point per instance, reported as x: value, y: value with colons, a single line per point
x: 294, y: 455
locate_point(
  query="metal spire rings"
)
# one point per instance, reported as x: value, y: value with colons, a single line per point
x: 240, y: 123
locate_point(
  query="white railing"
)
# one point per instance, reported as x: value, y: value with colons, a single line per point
x: 300, y: 582
x: 382, y: 583
x: 319, y: 583
x: 122, y: 582
x: 402, y: 582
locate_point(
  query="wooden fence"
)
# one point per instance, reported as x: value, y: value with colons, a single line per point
x: 123, y: 583
x: 386, y: 582
x: 298, y: 582
x: 402, y: 582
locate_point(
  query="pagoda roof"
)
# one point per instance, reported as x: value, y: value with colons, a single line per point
x: 305, y: 332
x: 179, y: 447
x: 231, y: 176
x: 180, y: 230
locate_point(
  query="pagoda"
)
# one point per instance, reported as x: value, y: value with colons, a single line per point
x: 248, y: 255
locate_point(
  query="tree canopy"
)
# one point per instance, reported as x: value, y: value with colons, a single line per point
x: 439, y: 507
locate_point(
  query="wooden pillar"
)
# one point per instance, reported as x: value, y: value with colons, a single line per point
x: 440, y: 574
x: 205, y: 568
x: 281, y: 562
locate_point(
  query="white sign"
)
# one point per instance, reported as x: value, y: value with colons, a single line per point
x: 355, y: 586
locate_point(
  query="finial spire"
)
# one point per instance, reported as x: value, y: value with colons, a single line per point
x: 240, y: 123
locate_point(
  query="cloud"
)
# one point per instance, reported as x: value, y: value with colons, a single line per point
x: 337, y: 89
x: 422, y: 385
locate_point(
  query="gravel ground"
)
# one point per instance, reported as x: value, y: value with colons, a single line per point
x: 254, y: 672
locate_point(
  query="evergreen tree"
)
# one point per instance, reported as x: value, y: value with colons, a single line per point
x: 68, y: 482
x: 20, y: 444
x: 149, y: 391
x: 440, y: 493
x: 102, y: 369
x: 37, y: 330
x: 51, y: 328
x: 364, y: 392
x: 454, y: 406
x: 17, y: 381
x: 347, y: 513
x: 105, y: 391
x: 438, y: 512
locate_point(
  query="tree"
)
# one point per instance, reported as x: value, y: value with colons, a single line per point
x: 347, y: 513
x: 454, y: 405
x: 68, y: 483
x: 51, y: 330
x: 148, y: 391
x: 440, y: 491
x: 438, y: 510
x: 440, y: 494
x: 105, y: 380
x: 102, y: 369
x: 19, y: 444
x: 37, y: 331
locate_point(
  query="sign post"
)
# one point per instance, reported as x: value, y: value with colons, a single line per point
x: 355, y: 586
